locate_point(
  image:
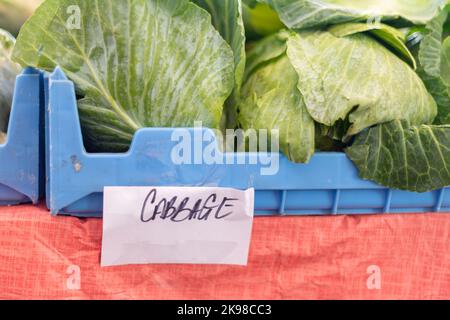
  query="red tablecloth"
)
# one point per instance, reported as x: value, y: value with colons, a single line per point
x: 44, y: 257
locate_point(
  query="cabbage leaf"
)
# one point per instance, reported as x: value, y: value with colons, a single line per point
x: 266, y: 50
x: 405, y: 157
x: 358, y: 78
x: 271, y: 100
x: 394, y: 39
x: 300, y: 14
x: 434, y: 58
x: 227, y: 19
x: 144, y: 63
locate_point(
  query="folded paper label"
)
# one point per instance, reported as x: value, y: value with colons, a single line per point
x: 145, y: 225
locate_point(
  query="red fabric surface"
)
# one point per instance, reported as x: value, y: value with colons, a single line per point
x: 291, y: 258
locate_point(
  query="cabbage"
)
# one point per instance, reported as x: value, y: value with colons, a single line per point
x: 356, y: 77
x: 327, y: 74
x: 348, y: 87
x: 414, y: 158
x: 434, y: 59
x: 145, y: 63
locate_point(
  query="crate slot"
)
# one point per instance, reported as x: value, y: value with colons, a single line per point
x: 21, y: 172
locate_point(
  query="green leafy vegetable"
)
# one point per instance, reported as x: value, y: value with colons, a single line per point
x: 434, y: 58
x: 299, y: 14
x: 393, y: 38
x: 266, y: 50
x: 227, y: 18
x: 320, y: 87
x: 445, y: 72
x: 145, y: 63
x: 397, y: 155
x: 358, y: 78
x: 325, y: 74
x: 271, y: 100
x: 8, y: 73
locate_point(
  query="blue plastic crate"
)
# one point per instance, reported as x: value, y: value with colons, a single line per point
x: 21, y: 175
x: 329, y: 184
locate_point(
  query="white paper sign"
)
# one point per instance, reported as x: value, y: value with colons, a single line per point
x: 144, y: 225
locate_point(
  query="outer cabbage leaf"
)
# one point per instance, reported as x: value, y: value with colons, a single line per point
x: 393, y: 38
x: 430, y: 54
x: 266, y: 50
x: 141, y: 63
x: 434, y: 58
x: 299, y: 14
x: 400, y: 156
x: 227, y: 18
x: 271, y: 100
x: 358, y: 78
x: 8, y: 73
x: 445, y: 71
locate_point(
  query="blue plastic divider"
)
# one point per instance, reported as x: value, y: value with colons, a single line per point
x: 329, y: 184
x: 21, y: 173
